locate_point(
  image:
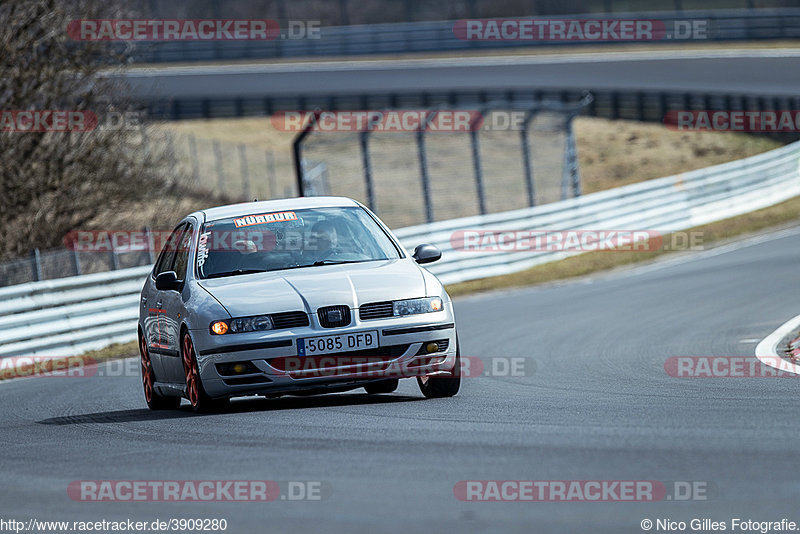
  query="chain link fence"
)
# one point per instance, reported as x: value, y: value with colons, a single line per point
x: 62, y: 263
x: 511, y: 159
x: 228, y: 170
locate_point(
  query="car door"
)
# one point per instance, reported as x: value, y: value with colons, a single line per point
x: 155, y: 328
x: 172, y: 305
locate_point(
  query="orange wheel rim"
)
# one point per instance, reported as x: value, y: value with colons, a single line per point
x: 190, y: 369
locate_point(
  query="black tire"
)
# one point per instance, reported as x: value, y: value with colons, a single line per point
x: 384, y: 386
x: 195, y: 392
x: 436, y: 387
x: 154, y: 400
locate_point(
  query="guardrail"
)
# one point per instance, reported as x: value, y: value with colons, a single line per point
x: 71, y: 315
x: 639, y: 105
x: 411, y: 37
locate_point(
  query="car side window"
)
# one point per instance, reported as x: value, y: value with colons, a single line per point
x: 182, y: 254
x: 164, y: 262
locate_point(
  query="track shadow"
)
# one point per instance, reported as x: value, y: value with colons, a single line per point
x: 243, y: 405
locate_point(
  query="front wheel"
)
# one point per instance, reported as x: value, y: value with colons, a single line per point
x: 434, y: 387
x: 195, y: 392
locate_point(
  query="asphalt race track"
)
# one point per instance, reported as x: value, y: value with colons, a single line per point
x: 598, y: 406
x: 756, y: 72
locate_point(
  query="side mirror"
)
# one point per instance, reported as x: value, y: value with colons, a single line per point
x: 426, y: 254
x: 167, y: 281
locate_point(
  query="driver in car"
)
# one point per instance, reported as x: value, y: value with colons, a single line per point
x: 322, y: 241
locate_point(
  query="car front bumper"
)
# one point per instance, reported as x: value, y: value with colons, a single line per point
x: 267, y: 363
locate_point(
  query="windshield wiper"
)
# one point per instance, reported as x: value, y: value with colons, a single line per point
x: 334, y: 262
x: 317, y: 263
x: 235, y: 272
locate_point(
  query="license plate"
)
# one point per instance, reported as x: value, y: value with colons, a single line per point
x: 311, y: 346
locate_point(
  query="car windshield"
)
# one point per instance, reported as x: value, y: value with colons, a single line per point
x: 277, y: 240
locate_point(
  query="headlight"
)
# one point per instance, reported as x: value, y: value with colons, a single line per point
x: 415, y: 306
x: 242, y: 324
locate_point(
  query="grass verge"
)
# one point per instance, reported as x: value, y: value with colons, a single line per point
x: 592, y: 262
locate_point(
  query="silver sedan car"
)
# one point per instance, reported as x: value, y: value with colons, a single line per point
x: 296, y: 296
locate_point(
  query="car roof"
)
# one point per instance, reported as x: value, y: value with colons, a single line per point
x: 267, y: 206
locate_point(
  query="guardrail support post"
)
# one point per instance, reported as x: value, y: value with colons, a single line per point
x: 76, y: 262
x: 527, y: 164
x: 571, y: 175
x: 245, y: 174
x: 297, y: 150
x: 640, y: 106
x: 614, y: 105
x: 423, y: 173
x: 476, y: 163
x: 37, y: 265
x: 363, y: 138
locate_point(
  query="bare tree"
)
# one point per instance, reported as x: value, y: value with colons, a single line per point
x: 55, y: 181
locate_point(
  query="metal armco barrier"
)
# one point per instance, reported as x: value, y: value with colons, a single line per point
x: 645, y: 105
x: 410, y: 37
x: 71, y: 315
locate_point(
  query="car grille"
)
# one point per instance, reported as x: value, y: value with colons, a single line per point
x: 376, y: 310
x: 327, y: 361
x: 289, y: 319
x: 344, y: 316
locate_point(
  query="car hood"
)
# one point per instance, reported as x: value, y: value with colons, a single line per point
x: 313, y: 287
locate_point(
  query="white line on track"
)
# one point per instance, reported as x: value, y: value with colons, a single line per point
x: 767, y: 350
